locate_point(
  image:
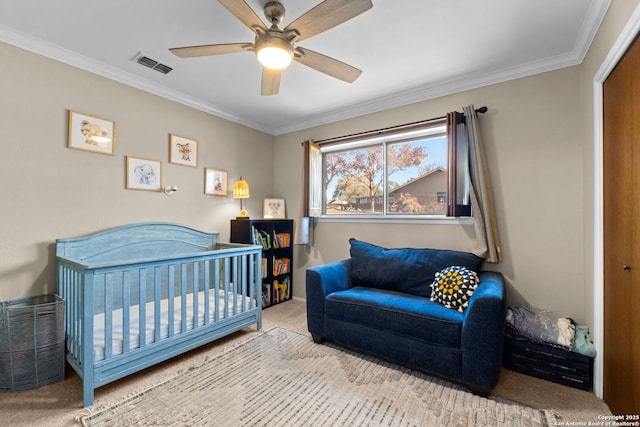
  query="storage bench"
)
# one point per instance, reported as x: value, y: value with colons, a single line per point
x: 547, y: 361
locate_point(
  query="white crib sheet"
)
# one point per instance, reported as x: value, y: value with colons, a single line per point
x: 134, y: 321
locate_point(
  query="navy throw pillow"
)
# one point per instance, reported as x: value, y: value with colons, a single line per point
x: 408, y: 270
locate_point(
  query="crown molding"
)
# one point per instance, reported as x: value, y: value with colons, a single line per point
x: 57, y: 53
x: 425, y: 93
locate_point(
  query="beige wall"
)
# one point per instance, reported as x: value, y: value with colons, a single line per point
x: 50, y: 191
x: 532, y: 133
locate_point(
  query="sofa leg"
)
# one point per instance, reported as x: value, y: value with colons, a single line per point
x: 479, y: 391
x: 316, y: 338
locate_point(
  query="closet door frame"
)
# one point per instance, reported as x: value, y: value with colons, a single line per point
x: 617, y: 51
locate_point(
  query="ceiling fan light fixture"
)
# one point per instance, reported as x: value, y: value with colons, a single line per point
x: 274, y: 52
x: 275, y: 48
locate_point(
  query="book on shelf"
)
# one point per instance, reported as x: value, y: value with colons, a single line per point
x: 264, y: 268
x: 283, y: 239
x: 286, y: 288
x: 266, y: 295
x: 276, y: 292
x: 281, y: 290
x: 261, y: 238
x: 281, y: 266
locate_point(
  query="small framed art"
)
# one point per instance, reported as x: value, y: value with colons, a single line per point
x: 215, y: 182
x: 273, y: 208
x: 91, y: 133
x: 144, y: 174
x: 183, y: 151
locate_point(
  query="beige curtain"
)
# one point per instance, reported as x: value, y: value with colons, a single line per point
x: 486, y: 227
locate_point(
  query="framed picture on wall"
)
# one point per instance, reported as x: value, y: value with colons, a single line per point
x: 144, y: 174
x: 91, y: 133
x: 273, y: 208
x: 215, y: 182
x: 183, y: 151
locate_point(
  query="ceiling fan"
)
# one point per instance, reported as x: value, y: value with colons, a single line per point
x: 276, y: 48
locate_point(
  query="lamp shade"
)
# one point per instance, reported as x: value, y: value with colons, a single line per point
x: 241, y: 189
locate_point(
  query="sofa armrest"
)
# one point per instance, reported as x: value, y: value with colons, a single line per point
x: 483, y: 332
x: 322, y: 281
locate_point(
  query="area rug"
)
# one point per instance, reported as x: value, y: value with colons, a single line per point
x: 282, y: 378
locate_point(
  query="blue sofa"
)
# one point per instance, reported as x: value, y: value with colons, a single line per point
x: 379, y: 302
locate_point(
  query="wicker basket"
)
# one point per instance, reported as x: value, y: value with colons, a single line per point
x: 31, y: 342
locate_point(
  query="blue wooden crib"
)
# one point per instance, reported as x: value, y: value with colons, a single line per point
x: 140, y: 294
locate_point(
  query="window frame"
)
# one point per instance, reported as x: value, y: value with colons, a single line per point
x: 457, y: 171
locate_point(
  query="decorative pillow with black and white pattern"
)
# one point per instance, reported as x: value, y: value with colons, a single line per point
x: 453, y: 287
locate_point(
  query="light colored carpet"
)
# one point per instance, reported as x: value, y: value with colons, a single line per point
x: 281, y: 378
x: 58, y: 404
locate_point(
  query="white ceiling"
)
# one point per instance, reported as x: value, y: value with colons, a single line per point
x: 409, y: 51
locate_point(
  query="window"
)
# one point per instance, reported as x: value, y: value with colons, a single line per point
x: 403, y: 173
x: 415, y: 170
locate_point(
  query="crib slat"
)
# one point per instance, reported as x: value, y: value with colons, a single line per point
x: 245, y: 285
x: 207, y: 290
x: 63, y: 288
x: 183, y: 298
x: 171, y: 296
x: 126, y: 313
x: 196, y: 286
x: 252, y: 276
x: 142, y: 308
x: 236, y: 279
x: 157, y: 299
x: 77, y: 297
x: 227, y: 280
x: 70, y: 306
x: 64, y: 274
x: 86, y: 332
x: 107, y: 283
x: 216, y: 287
x: 77, y: 315
x: 244, y: 289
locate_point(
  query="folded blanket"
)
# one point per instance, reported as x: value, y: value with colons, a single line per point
x: 542, y: 325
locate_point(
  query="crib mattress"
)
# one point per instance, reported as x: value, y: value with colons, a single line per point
x: 117, y: 341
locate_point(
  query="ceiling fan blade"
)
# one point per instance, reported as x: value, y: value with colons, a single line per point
x: 327, y: 65
x: 209, y: 49
x: 241, y: 10
x: 270, y: 81
x: 326, y: 15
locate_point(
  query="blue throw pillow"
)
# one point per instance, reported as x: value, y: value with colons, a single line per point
x: 408, y: 270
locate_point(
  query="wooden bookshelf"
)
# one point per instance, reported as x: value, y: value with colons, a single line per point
x: 276, y: 238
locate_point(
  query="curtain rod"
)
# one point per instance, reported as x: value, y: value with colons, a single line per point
x: 481, y: 110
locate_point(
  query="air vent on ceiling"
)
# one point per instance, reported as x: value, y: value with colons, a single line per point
x: 143, y: 59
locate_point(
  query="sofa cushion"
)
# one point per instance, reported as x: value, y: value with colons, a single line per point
x: 408, y: 270
x: 398, y: 313
x: 453, y: 286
